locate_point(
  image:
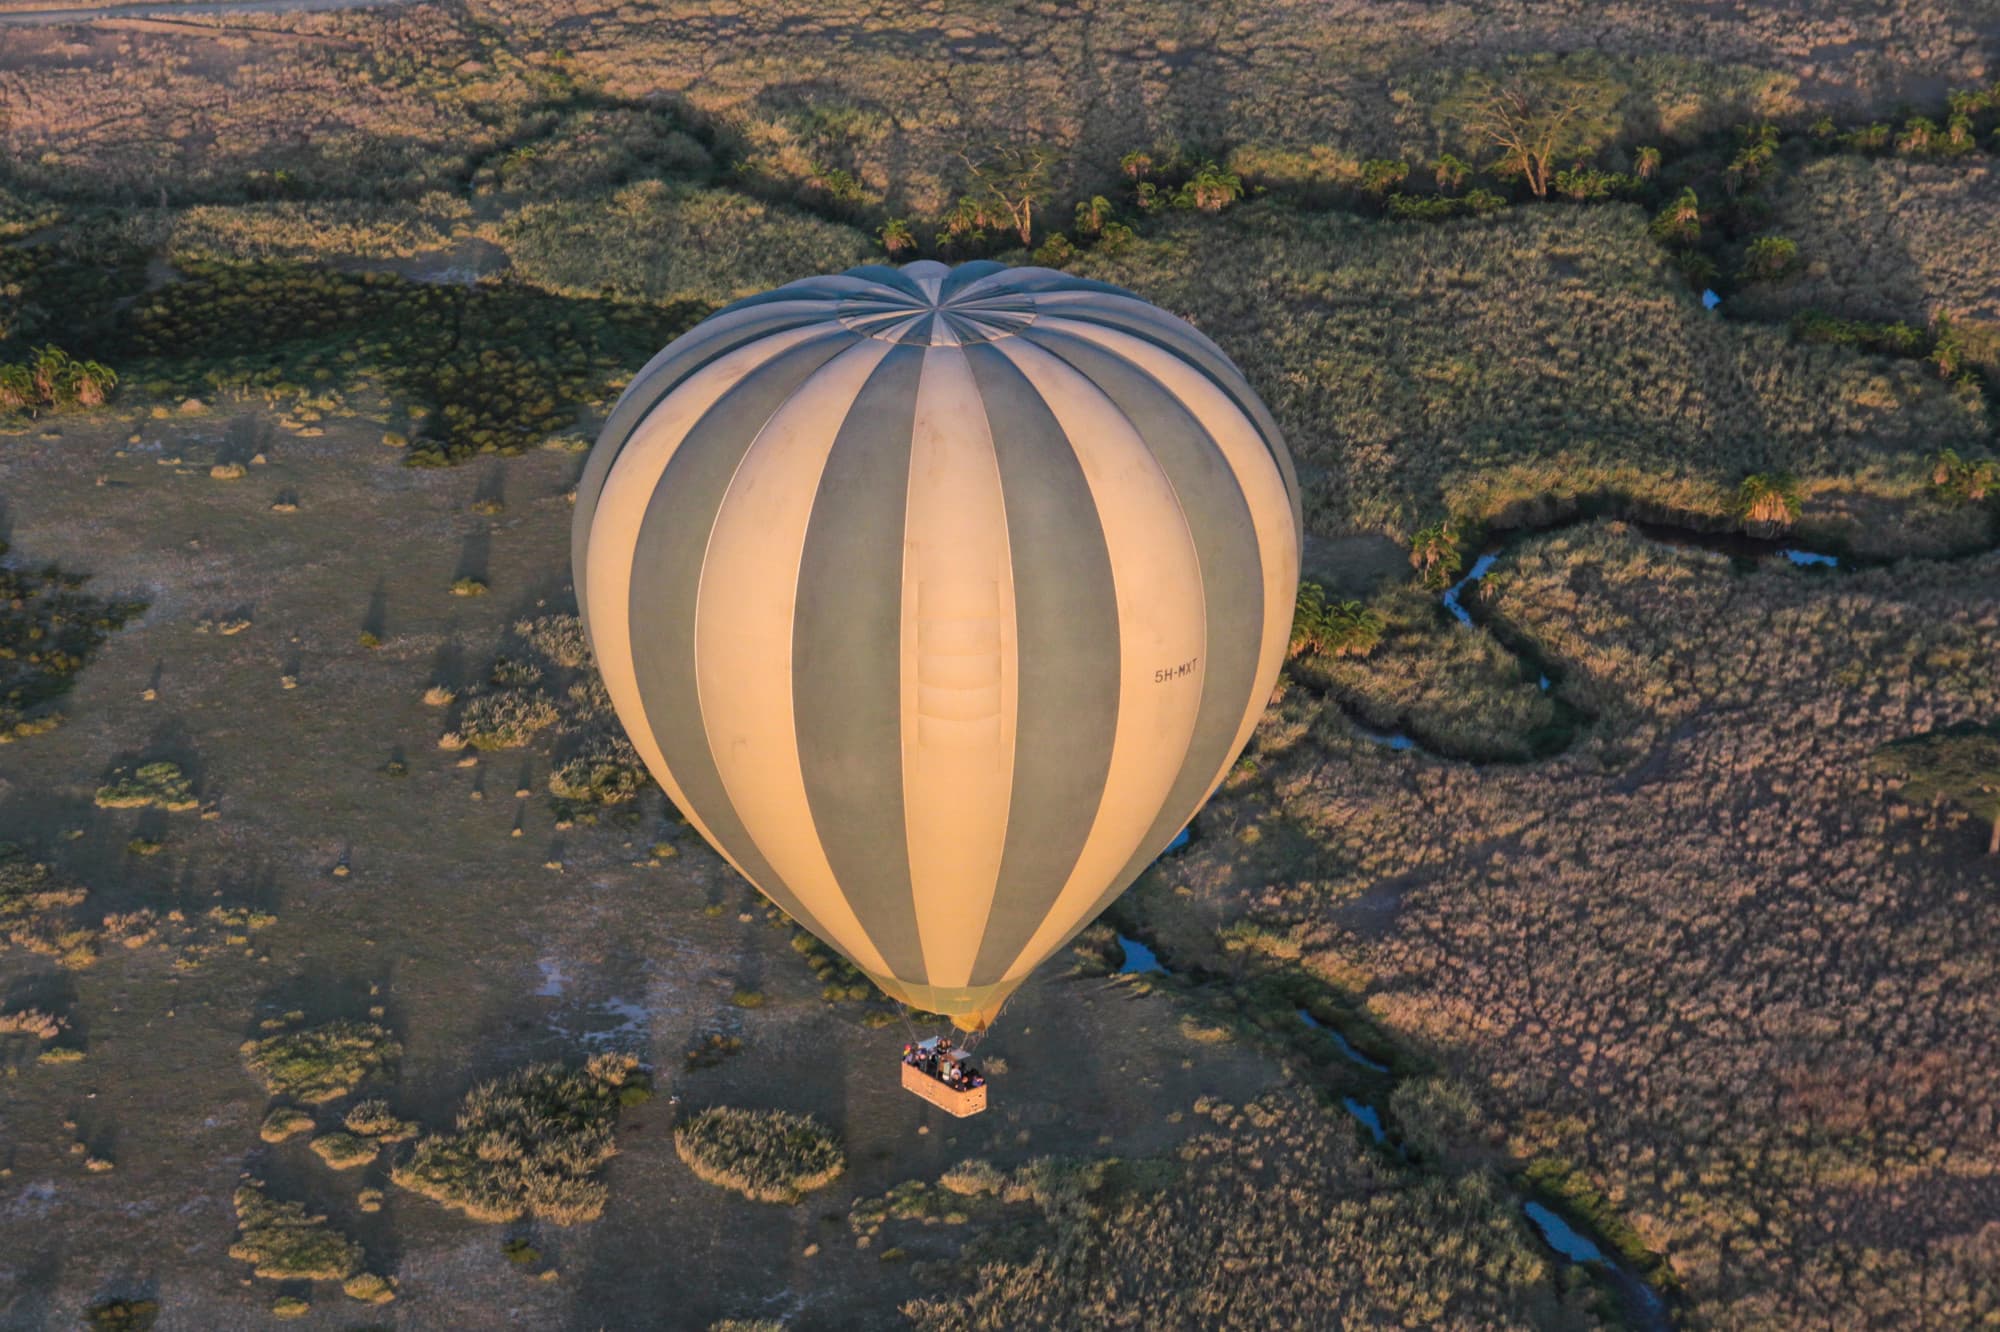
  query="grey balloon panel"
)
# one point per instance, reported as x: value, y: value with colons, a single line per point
x: 1066, y: 628
x: 702, y: 345
x: 1225, y: 541
x: 846, y: 659
x: 666, y: 581
x: 1131, y: 314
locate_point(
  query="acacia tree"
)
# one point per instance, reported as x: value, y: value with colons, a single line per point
x: 1538, y: 116
x: 1005, y: 188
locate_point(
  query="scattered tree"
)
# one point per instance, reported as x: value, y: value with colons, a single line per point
x: 1435, y: 555
x: 1679, y: 223
x: 1005, y: 188
x: 1450, y: 173
x: 1539, y: 115
x: 1380, y: 175
x: 1210, y: 189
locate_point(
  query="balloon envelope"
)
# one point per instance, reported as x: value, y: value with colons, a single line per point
x: 939, y: 599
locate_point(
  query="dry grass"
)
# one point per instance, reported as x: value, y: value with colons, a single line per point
x: 1707, y: 967
x: 1274, y: 1211
x: 1497, y: 370
x: 765, y: 1155
x: 531, y: 1143
x: 1890, y: 238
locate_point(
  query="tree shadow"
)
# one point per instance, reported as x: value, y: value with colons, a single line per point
x: 474, y: 555
x: 375, y: 621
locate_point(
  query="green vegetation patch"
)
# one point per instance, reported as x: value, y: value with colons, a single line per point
x: 656, y: 242
x: 285, y: 1123
x: 49, y: 629
x: 481, y: 369
x: 530, y: 1143
x: 544, y: 682
x: 323, y: 1063
x: 1960, y: 764
x: 1487, y: 369
x: 286, y: 1243
x: 765, y: 1155
x: 160, y: 785
x: 122, y: 1316
x: 345, y: 1151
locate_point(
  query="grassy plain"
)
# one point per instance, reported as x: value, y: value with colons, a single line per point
x: 1690, y: 965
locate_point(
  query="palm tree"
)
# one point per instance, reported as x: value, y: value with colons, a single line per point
x: 1450, y: 173
x: 1768, y: 500
x: 1092, y: 214
x: 1210, y: 189
x: 1645, y: 163
x: 1435, y: 555
x: 896, y: 237
x: 1680, y: 221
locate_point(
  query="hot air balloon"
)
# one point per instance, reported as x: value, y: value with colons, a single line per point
x: 939, y: 599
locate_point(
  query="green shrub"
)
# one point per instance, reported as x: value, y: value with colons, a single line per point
x: 344, y: 1151
x: 281, y: 1240
x: 506, y: 719
x: 1338, y: 629
x: 369, y: 1288
x: 1769, y: 258
x: 323, y: 1063
x: 122, y: 1316
x: 765, y: 1155
x: 530, y: 1143
x: 158, y: 785
x: 374, y: 1119
x: 284, y: 1123
x: 1767, y: 500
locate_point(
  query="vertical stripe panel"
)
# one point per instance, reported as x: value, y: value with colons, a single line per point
x: 1066, y: 622
x: 1157, y: 581
x: 743, y: 639
x: 958, y: 667
x: 664, y: 569
x: 847, y: 659
x: 1226, y: 537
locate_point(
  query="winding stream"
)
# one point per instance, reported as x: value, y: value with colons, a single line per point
x: 1746, y: 551
x: 1643, y: 1306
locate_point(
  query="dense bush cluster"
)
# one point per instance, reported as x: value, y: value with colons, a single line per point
x: 545, y: 684
x: 765, y: 1155
x: 529, y: 1144
x: 283, y: 1241
x: 323, y: 1063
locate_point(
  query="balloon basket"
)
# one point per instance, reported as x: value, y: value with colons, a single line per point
x: 946, y: 1098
